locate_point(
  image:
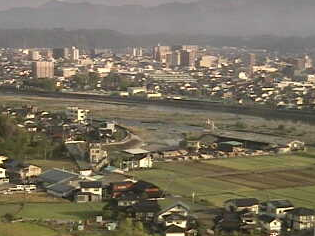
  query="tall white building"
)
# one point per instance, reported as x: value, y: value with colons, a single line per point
x: 77, y: 115
x: 74, y: 54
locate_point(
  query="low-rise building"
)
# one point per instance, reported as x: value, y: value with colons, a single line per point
x: 301, y: 218
x: 279, y: 208
x: 90, y: 191
x: 270, y: 223
x: 241, y: 204
x: 76, y: 114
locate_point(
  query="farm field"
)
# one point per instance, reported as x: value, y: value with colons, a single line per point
x: 18, y: 229
x: 267, y: 162
x: 62, y: 211
x: 289, y: 177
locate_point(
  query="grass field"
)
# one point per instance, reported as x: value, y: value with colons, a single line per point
x: 285, y: 177
x: 48, y: 164
x: 36, y: 197
x: 62, y: 211
x: 19, y: 229
x: 9, y: 208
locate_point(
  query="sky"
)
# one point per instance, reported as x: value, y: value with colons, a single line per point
x: 7, y: 4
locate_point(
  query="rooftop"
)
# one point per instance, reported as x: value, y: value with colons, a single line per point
x: 136, y: 151
x: 244, y: 202
x: 91, y: 184
x: 281, y: 203
x: 56, y: 175
x: 254, y: 137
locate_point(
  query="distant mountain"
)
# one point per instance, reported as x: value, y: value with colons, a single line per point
x: 216, y: 17
x: 96, y: 38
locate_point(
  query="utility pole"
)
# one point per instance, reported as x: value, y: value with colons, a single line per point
x: 193, y: 197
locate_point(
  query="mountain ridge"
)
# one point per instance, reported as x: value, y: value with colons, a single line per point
x: 217, y: 17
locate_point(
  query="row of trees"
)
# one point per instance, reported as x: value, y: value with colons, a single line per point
x: 113, y: 81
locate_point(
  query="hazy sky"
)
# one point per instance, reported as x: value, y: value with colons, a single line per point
x: 6, y: 4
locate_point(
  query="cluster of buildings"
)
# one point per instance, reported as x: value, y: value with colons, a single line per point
x: 238, y: 75
x: 272, y: 217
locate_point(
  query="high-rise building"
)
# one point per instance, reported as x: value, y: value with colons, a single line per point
x: 193, y: 51
x: 308, y: 62
x: 160, y: 53
x: 61, y: 53
x: 184, y: 58
x: 173, y: 59
x: 251, y: 64
x: 74, y: 54
x: 137, y: 52
x: 43, y: 69
x: 34, y: 55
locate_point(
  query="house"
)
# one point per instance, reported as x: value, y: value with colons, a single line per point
x: 3, y: 176
x: 96, y: 153
x: 178, y: 208
x: 90, y: 191
x: 228, y: 221
x: 60, y: 190
x: 58, y: 182
x: 128, y: 199
x: 230, y: 146
x: 176, y: 219
x: 138, y: 162
x: 144, y: 210
x: 20, y: 170
x: 279, y: 207
x: 240, y: 204
x: 139, y: 158
x: 117, y: 189
x: 301, y: 218
x: 174, y: 230
x: 269, y: 223
x: 3, y: 159
x: 56, y: 175
x: 147, y: 190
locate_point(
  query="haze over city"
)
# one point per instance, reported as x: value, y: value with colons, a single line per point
x: 157, y: 118
x: 211, y: 17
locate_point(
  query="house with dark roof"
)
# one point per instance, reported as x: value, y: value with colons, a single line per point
x: 89, y: 191
x: 58, y: 182
x: 301, y: 218
x: 228, y: 221
x: 147, y: 190
x: 144, y: 210
x: 241, y: 204
x: 279, y: 207
x: 56, y: 175
x: 61, y: 190
x: 20, y: 170
x: 117, y: 189
x: 128, y: 199
x: 269, y: 223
